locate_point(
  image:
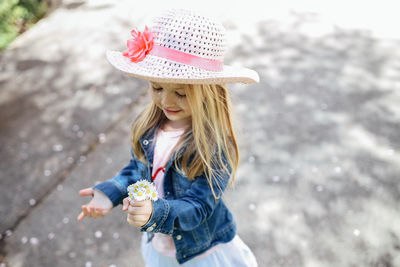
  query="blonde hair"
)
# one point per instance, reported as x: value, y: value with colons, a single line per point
x: 207, y: 143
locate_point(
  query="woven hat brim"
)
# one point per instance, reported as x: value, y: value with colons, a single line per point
x: 159, y: 69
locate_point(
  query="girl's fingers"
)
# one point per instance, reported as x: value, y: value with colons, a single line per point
x: 138, y: 211
x: 86, y: 211
x: 131, y: 222
x: 99, y: 212
x: 81, y: 216
x: 137, y: 203
x: 125, y: 204
x: 133, y: 210
x: 137, y: 220
x: 86, y: 192
x: 92, y: 211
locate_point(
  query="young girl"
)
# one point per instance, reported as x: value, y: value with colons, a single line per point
x: 183, y: 141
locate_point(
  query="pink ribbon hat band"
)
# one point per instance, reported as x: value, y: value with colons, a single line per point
x: 188, y: 59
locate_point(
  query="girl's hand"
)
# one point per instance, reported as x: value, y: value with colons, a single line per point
x: 139, y: 212
x: 99, y: 206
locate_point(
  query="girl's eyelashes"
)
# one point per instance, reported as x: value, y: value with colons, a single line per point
x: 179, y: 95
x: 158, y: 89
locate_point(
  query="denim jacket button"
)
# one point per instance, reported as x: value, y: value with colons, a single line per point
x: 178, y: 237
x: 145, y: 142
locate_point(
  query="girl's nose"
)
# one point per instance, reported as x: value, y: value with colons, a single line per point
x: 167, y: 99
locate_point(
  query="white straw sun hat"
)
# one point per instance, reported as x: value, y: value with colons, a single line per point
x: 181, y: 47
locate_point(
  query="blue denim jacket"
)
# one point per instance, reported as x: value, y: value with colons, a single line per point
x: 189, y: 211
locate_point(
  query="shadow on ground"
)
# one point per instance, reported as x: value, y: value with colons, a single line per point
x: 318, y: 136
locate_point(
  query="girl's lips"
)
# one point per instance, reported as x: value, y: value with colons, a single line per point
x: 172, y: 111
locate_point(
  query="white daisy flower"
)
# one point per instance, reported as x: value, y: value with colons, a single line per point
x: 142, y: 183
x: 140, y: 195
x: 153, y: 194
x: 142, y: 190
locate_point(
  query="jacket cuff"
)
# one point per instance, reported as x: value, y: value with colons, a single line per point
x: 112, y: 190
x: 158, y: 217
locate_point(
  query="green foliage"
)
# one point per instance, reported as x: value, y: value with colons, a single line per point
x: 16, y: 16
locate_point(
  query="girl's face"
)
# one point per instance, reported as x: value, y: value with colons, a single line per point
x: 171, y: 99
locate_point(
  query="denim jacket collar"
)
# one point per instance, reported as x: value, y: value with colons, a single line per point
x: 147, y: 142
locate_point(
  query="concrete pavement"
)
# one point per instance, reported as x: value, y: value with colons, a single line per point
x: 317, y: 185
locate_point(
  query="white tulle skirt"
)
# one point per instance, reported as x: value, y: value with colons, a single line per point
x: 232, y: 254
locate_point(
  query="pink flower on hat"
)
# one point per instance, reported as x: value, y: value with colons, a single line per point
x: 140, y: 45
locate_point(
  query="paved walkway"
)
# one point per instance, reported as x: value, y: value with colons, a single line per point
x: 319, y: 138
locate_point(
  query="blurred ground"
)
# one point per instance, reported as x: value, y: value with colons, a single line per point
x: 319, y: 136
